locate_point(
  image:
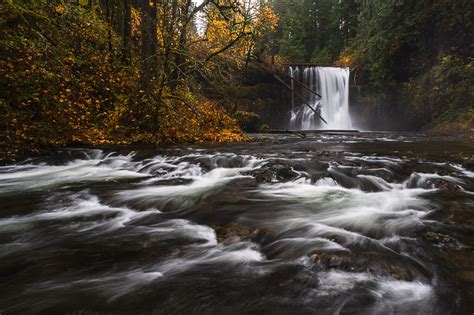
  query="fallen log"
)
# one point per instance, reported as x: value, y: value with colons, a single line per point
x: 299, y: 96
x: 317, y: 131
x: 292, y: 90
x: 303, y: 85
x: 294, y: 132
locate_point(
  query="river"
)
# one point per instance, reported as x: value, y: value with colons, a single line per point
x: 368, y: 223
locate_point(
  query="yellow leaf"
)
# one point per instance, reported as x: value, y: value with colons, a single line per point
x: 59, y: 9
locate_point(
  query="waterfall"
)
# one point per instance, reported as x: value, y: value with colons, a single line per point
x: 333, y: 85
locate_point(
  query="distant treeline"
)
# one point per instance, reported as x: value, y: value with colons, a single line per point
x: 415, y: 57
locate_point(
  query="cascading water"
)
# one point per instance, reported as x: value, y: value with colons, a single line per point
x: 330, y: 224
x: 332, y: 84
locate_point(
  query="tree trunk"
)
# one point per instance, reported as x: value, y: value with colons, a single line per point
x: 148, y: 58
x: 127, y: 32
x: 109, y: 13
x: 183, y: 36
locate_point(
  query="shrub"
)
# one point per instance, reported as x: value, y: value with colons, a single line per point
x: 248, y: 121
x: 265, y: 128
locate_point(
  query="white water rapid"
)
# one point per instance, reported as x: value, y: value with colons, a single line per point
x: 335, y: 223
x: 332, y: 84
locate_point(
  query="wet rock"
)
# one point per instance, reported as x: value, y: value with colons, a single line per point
x: 274, y: 171
x: 440, y: 238
x: 443, y: 184
x: 339, y: 261
x: 174, y: 181
x: 262, y: 175
x: 320, y: 166
x: 233, y: 233
x: 373, y: 263
x: 285, y: 173
x: 468, y: 165
x: 315, y: 258
x: 437, y: 181
x: 231, y: 240
x: 431, y: 169
x: 396, y: 276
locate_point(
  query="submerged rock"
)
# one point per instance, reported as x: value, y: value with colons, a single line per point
x: 468, y: 164
x: 441, y: 239
x: 444, y: 185
x: 279, y: 171
x: 382, y: 266
x: 428, y: 181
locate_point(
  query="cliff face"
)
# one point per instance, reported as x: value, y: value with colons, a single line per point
x: 253, y: 90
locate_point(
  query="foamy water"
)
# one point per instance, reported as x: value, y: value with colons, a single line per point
x: 201, y: 230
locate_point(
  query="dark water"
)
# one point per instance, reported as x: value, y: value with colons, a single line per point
x: 330, y: 224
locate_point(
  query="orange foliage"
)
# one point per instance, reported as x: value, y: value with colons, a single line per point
x: 205, y: 122
x: 247, y: 25
x: 346, y: 59
x: 208, y: 123
x: 67, y: 86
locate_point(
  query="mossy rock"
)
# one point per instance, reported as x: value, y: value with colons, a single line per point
x: 248, y: 121
x: 265, y: 128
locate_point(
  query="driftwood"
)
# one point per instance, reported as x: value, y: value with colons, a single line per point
x: 298, y: 133
x: 302, y: 64
x: 302, y: 133
x: 303, y: 85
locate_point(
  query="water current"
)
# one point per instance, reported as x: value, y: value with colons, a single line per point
x: 368, y: 223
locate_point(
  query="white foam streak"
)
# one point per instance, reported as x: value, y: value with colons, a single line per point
x: 386, y: 211
x: 422, y: 179
x: 40, y: 176
x: 463, y: 170
x: 112, y: 286
x: 389, y: 161
x: 391, y: 295
x: 234, y: 255
x: 199, y: 185
x: 380, y: 182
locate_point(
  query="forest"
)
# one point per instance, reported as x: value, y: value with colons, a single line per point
x: 237, y: 157
x: 166, y: 72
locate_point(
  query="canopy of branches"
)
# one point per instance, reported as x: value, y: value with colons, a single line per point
x: 128, y: 71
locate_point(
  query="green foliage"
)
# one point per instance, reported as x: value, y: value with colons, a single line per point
x: 416, y: 53
x: 461, y: 122
x: 265, y: 128
x: 322, y: 56
x: 398, y: 40
x: 288, y: 39
x: 314, y: 31
x: 443, y: 92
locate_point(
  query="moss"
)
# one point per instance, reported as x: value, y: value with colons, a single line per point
x: 265, y: 128
x: 443, y: 95
x: 462, y: 122
x: 248, y: 121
